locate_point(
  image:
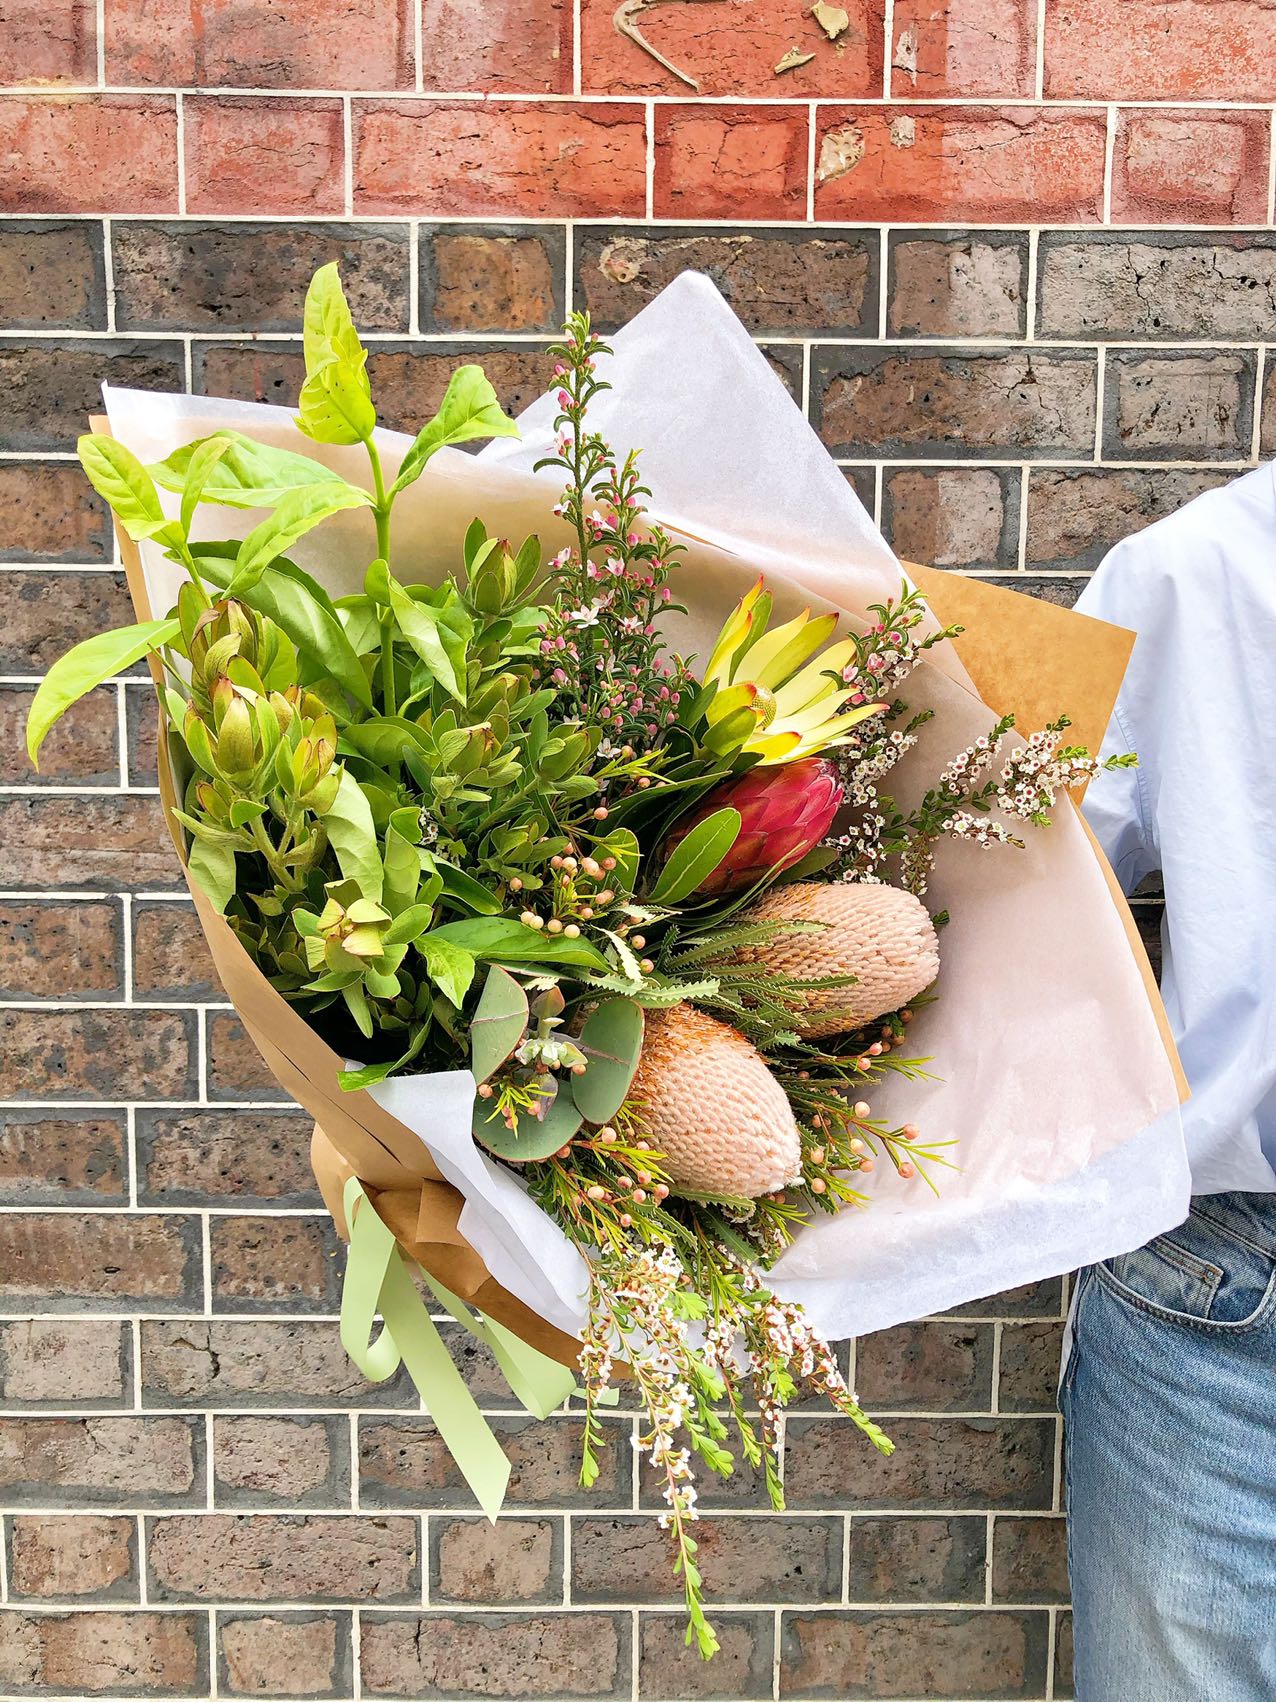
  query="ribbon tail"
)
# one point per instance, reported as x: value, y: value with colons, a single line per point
x: 536, y: 1381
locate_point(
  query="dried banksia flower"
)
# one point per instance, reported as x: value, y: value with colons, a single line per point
x: 880, y: 934
x: 713, y: 1108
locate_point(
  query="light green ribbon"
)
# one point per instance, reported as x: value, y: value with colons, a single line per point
x: 377, y: 1280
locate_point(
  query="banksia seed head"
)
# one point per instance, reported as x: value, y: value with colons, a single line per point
x: 880, y: 934
x: 784, y: 813
x: 713, y: 1108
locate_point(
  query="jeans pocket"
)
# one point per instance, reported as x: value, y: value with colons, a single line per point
x: 1197, y: 1275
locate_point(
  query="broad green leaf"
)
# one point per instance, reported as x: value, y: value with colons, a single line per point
x: 435, y: 640
x: 335, y: 405
x: 499, y: 1022
x: 451, y: 968
x: 87, y: 665
x: 502, y: 939
x: 370, y: 1074
x: 357, y: 1004
x: 123, y: 482
x: 353, y: 837
x: 533, y: 1138
x: 385, y: 740
x: 212, y: 868
x: 296, y: 513
x: 612, y: 1043
x: 327, y: 325
x: 464, y: 890
x: 402, y: 871
x: 469, y: 409
x: 305, y: 612
x: 202, y: 465
x: 696, y: 857
x: 408, y: 925
x: 246, y: 474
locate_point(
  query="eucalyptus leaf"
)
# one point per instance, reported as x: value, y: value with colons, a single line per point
x: 499, y: 1022
x: 696, y: 857
x: 533, y: 1138
x: 469, y: 409
x: 612, y: 1043
x: 87, y: 665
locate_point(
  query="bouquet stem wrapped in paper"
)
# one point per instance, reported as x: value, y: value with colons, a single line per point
x: 722, y: 1070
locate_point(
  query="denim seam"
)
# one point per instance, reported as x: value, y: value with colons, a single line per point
x: 1184, y: 1320
x: 1225, y: 1228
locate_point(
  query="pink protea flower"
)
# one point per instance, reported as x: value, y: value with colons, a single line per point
x: 785, y: 811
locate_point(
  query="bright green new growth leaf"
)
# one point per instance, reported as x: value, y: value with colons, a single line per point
x: 534, y: 1138
x: 499, y: 1022
x: 87, y: 665
x: 440, y: 646
x: 451, y: 968
x: 469, y: 409
x: 696, y: 857
x: 200, y: 469
x: 336, y: 399
x: 353, y: 837
x: 612, y: 1043
x: 123, y: 482
x: 244, y: 474
x: 296, y: 513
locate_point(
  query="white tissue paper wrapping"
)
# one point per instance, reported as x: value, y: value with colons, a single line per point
x: 1051, y: 1075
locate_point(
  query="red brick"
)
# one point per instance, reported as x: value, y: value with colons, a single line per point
x: 46, y: 613
x: 278, y: 1557
x: 732, y: 48
x: 89, y: 154
x: 270, y: 44
x: 741, y: 1669
x: 63, y: 1361
x: 59, y: 950
x: 1190, y: 168
x: 523, y: 46
x: 115, y: 1654
x: 730, y: 162
x: 171, y: 961
x: 236, y: 1069
x: 911, y: 165
x: 1160, y: 50
x: 268, y: 1461
x: 956, y: 48
x: 446, y: 158
x: 272, y: 1264
x: 115, y: 1461
x: 547, y: 1655
x: 52, y: 385
x: 211, y: 1156
x: 51, y: 274
x: 480, y: 280
x: 512, y: 1562
x: 264, y: 156
x: 81, y: 749
x: 882, y: 1654
x: 49, y: 512
x: 214, y: 1362
x: 87, y: 1554
x: 99, y: 1260
x: 48, y: 1053
x: 98, y: 842
x: 47, y: 1160
x: 290, y: 1654
x: 725, y: 162
x: 48, y: 41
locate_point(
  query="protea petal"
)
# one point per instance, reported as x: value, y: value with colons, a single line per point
x: 773, y: 658
x: 799, y: 691
x: 734, y: 632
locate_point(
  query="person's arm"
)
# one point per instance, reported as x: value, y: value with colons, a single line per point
x: 1117, y: 802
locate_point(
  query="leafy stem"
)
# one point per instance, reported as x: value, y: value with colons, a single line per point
x: 381, y: 515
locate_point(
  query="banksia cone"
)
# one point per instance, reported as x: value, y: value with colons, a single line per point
x: 879, y: 934
x: 713, y: 1108
x: 784, y: 813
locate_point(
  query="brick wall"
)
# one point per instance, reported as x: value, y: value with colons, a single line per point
x: 1017, y: 262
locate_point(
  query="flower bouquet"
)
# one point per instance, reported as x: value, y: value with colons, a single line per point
x: 599, y: 962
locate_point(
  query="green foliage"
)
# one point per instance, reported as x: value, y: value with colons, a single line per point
x: 696, y: 857
x: 611, y: 1040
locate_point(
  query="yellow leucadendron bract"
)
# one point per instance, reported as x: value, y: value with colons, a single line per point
x: 778, y: 696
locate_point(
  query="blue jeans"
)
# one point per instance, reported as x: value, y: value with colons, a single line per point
x: 1169, y: 1395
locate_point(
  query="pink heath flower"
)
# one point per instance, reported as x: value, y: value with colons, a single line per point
x: 785, y: 811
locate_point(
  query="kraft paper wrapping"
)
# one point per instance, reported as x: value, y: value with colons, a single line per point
x: 1054, y: 1069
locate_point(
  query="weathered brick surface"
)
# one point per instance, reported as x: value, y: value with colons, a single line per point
x: 1017, y: 359
x: 284, y: 1654
x: 101, y: 1461
x: 280, y: 1557
x: 64, y: 1555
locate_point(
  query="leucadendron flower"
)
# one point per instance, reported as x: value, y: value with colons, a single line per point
x: 350, y: 926
x: 779, y: 694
